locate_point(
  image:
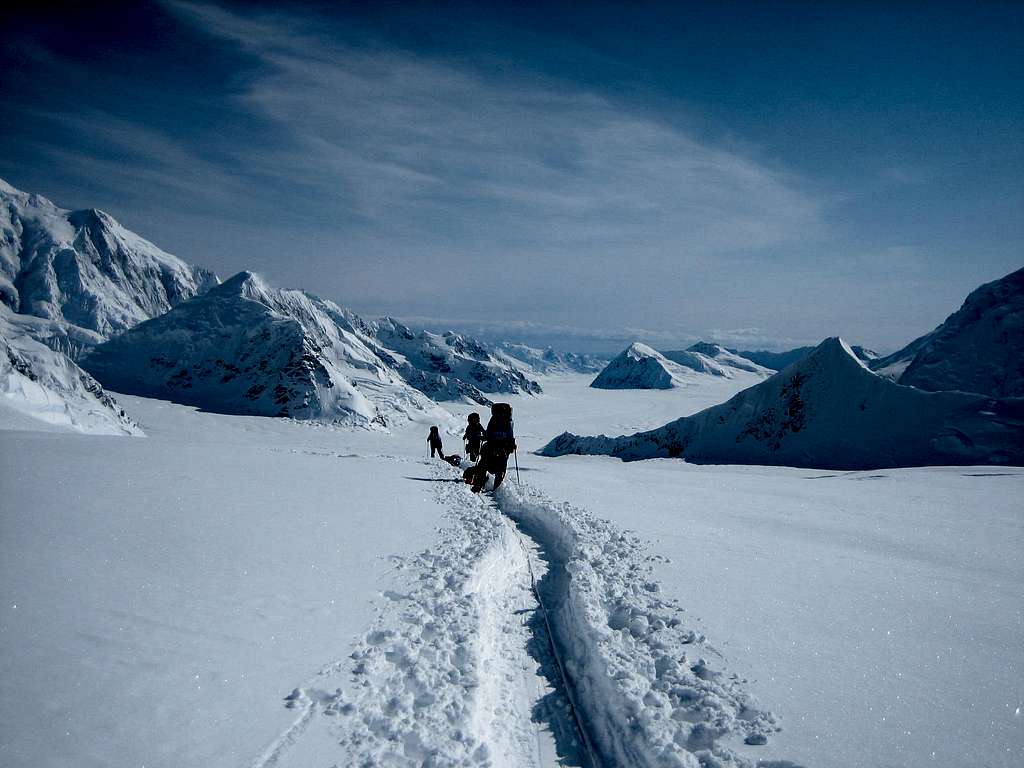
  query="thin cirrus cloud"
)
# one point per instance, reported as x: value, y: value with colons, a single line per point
x: 402, y: 146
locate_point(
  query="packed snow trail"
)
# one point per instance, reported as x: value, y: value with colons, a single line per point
x: 644, y: 697
x: 447, y: 676
x: 530, y: 634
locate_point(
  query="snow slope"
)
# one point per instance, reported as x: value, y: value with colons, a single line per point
x: 449, y: 366
x: 979, y: 348
x: 776, y: 361
x: 695, y: 361
x: 47, y: 386
x: 246, y: 348
x: 83, y: 268
x: 641, y: 367
x: 716, y: 360
x: 724, y: 357
x: 829, y: 411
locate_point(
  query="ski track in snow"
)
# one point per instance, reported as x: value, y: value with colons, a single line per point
x: 457, y: 669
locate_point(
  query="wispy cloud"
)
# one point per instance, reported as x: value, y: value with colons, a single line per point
x: 417, y: 145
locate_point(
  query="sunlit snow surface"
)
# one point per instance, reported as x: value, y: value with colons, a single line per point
x: 161, y: 596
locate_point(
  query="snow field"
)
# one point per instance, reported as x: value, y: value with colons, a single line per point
x: 160, y: 596
x: 879, y: 614
x: 647, y: 694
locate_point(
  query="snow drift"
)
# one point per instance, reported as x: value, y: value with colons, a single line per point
x: 246, y: 348
x: 640, y: 367
x: 85, y: 269
x: 829, y: 411
x: 46, y: 385
x: 979, y: 348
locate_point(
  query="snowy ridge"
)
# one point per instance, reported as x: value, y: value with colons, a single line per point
x: 698, y: 362
x: 641, y: 367
x: 449, y: 366
x: 246, y: 348
x: 84, y: 268
x: 979, y: 348
x: 47, y: 386
x: 829, y: 411
x: 548, y: 361
x: 649, y: 696
x: 777, y: 361
x: 724, y: 358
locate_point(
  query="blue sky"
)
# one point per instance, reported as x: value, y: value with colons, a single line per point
x: 761, y: 174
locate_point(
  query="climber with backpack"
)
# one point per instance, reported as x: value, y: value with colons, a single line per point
x: 434, y: 441
x: 499, y: 443
x: 473, y: 436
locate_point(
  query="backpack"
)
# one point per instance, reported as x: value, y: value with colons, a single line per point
x: 500, y: 425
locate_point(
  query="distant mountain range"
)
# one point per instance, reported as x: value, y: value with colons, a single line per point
x: 144, y: 321
x: 953, y: 396
x: 548, y: 360
x: 79, y: 291
x: 642, y: 367
x: 829, y: 411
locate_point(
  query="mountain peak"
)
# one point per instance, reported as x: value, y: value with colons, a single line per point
x: 707, y: 348
x: 639, y: 349
x: 83, y: 268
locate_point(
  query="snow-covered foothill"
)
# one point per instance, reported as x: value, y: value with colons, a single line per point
x: 829, y: 411
x: 641, y: 367
x: 48, y: 387
x: 84, y: 268
x: 449, y: 366
x: 979, y: 348
x: 246, y: 348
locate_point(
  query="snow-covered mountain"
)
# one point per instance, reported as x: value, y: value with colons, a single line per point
x: 728, y: 359
x: 829, y: 411
x: 979, y: 348
x: 40, y: 384
x: 449, y: 366
x: 715, y: 360
x: 641, y: 367
x: 777, y: 361
x: 548, y: 361
x: 246, y: 348
x: 85, y: 269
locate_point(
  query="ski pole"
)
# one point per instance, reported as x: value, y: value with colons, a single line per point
x: 516, y: 454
